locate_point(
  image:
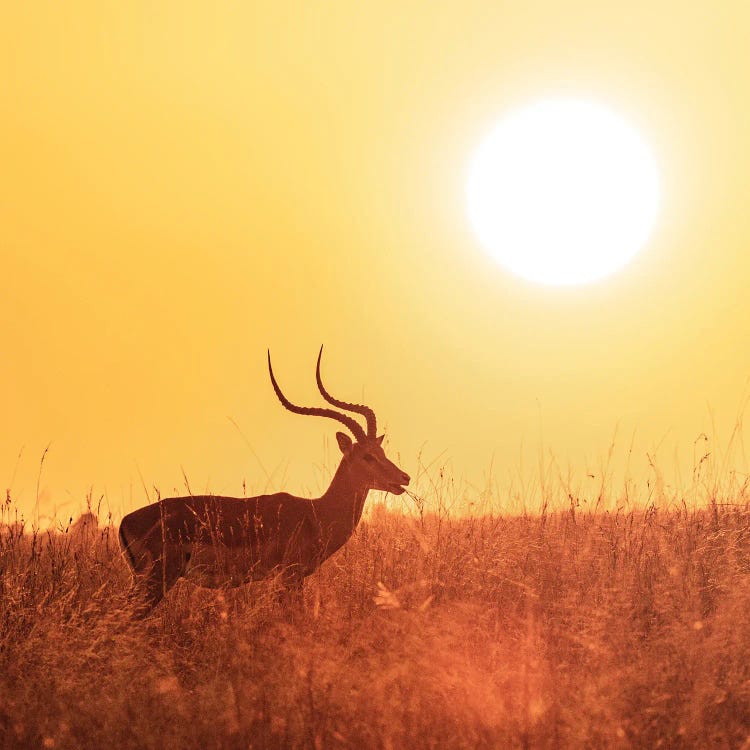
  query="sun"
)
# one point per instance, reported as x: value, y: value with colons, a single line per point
x: 563, y: 191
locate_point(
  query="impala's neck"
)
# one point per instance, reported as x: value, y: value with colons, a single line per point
x: 340, y: 507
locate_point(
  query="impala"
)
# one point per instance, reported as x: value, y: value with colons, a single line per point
x: 226, y: 541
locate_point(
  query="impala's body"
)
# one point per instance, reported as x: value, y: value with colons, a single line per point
x: 225, y: 541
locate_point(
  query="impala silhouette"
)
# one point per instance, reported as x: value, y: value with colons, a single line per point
x: 219, y: 541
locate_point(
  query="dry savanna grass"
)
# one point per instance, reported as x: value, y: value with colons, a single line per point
x: 624, y: 628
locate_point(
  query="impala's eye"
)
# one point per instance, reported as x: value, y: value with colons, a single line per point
x: 369, y: 458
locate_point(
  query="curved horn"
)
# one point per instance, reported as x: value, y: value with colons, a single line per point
x: 365, y: 411
x: 354, y: 426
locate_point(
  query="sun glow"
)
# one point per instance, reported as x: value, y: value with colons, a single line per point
x: 563, y: 192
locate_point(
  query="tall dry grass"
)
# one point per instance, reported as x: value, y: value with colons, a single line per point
x: 622, y: 628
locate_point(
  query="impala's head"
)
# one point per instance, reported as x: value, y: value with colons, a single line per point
x: 364, y: 456
x: 368, y: 460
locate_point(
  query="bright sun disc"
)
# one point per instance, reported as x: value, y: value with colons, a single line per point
x: 563, y: 192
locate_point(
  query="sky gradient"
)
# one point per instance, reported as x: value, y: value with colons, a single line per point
x: 186, y: 186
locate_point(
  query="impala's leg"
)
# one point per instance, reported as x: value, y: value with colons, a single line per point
x: 156, y: 567
x: 164, y: 573
x: 141, y: 562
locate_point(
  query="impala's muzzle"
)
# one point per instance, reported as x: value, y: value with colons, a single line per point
x: 397, y: 488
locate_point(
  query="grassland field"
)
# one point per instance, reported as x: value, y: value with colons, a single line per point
x: 620, y: 628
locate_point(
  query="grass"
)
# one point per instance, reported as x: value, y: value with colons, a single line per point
x: 624, y: 628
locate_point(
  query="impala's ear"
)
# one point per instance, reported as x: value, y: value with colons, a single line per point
x: 344, y: 441
x: 380, y: 439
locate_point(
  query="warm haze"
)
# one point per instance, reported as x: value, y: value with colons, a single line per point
x: 185, y: 185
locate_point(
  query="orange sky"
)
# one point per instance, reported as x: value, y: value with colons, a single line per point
x: 185, y: 184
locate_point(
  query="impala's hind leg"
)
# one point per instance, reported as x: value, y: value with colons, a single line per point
x: 164, y: 573
x: 156, y: 568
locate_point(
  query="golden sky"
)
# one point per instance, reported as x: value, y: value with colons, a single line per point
x: 186, y: 184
